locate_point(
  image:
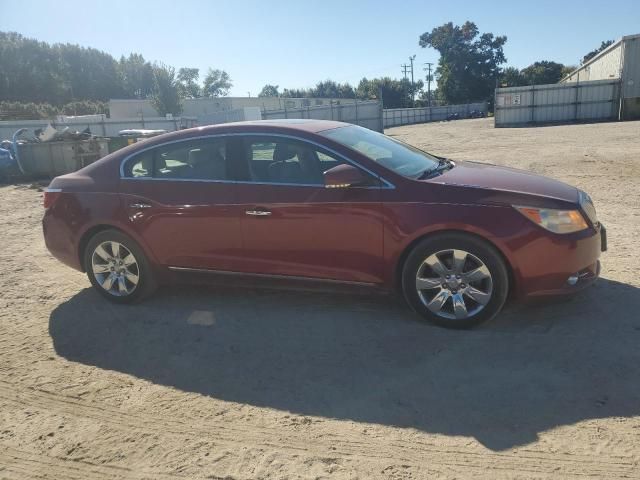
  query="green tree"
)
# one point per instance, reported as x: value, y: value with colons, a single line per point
x: 604, y: 45
x: 269, y: 91
x: 188, y: 82
x: 137, y: 76
x: 331, y: 89
x: 425, y: 98
x: 166, y: 93
x: 89, y: 73
x: 415, y: 89
x: 324, y: 89
x: 538, y: 73
x: 217, y: 83
x: 567, y: 69
x: 31, y: 71
x: 295, y: 93
x: 511, y: 77
x: 542, y: 72
x: 57, y: 74
x: 469, y: 62
x: 395, y: 93
x: 34, y: 71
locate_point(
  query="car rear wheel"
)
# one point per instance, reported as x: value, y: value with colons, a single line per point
x: 117, y: 267
x: 455, y: 280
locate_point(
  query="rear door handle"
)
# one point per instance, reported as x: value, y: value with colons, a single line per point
x: 258, y: 213
x: 139, y: 205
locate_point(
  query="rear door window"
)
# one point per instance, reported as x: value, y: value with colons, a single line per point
x: 203, y: 159
x: 284, y: 161
x: 141, y: 166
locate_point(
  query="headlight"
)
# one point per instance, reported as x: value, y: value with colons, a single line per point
x: 587, y: 206
x: 556, y: 221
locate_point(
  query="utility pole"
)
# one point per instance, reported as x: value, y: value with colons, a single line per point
x: 413, y: 88
x: 405, y: 69
x: 428, y: 70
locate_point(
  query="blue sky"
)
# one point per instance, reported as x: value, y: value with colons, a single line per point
x: 297, y: 43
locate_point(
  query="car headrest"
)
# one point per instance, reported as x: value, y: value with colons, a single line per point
x: 196, y: 156
x: 283, y: 152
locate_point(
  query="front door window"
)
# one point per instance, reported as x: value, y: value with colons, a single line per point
x: 288, y: 162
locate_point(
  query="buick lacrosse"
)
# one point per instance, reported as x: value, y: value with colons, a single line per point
x: 320, y: 201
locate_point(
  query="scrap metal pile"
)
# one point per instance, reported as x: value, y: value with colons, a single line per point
x: 11, y: 150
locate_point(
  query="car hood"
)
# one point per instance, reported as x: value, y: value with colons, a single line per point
x: 493, y: 177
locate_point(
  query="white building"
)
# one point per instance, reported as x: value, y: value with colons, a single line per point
x: 205, y: 107
x: 621, y: 60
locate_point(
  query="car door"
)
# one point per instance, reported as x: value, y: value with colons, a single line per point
x: 180, y: 198
x: 292, y: 225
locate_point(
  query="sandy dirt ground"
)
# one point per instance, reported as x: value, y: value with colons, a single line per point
x: 213, y: 383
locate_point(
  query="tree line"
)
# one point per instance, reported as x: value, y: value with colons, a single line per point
x: 545, y: 71
x: 395, y: 93
x: 43, y: 80
x: 39, y: 80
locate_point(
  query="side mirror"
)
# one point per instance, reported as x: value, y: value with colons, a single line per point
x: 343, y: 176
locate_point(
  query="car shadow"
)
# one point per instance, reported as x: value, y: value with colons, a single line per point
x: 367, y: 359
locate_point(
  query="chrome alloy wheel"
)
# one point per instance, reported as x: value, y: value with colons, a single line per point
x: 454, y: 284
x: 115, y: 268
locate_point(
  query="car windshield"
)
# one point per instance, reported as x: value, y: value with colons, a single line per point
x: 388, y: 152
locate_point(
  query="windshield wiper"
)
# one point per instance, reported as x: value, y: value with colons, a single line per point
x: 443, y: 164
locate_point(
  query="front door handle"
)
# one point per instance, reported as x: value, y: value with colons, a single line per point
x: 258, y: 213
x: 139, y: 205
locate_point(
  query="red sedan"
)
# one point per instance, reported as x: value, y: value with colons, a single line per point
x: 322, y: 201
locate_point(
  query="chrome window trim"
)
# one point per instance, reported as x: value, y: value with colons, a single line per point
x: 243, y: 182
x: 385, y: 183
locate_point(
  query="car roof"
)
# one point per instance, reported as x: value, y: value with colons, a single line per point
x: 301, y: 124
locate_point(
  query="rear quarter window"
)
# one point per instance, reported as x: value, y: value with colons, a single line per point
x: 140, y: 166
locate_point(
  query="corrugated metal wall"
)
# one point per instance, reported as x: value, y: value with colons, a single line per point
x: 631, y: 69
x: 557, y: 103
x: 57, y: 158
x: 198, y: 107
x: 107, y: 127
x: 239, y: 115
x: 631, y: 79
x: 394, y: 117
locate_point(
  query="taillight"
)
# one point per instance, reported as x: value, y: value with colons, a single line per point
x: 50, y: 196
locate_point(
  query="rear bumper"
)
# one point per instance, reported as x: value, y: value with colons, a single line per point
x: 559, y: 265
x: 60, y: 240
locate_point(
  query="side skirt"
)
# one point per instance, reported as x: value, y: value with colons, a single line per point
x: 237, y: 279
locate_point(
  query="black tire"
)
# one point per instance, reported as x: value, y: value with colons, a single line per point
x: 497, y: 284
x: 146, y: 282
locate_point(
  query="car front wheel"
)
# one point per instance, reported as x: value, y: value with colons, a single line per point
x: 455, y: 280
x: 117, y: 267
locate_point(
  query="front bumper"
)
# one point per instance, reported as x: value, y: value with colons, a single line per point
x: 558, y: 266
